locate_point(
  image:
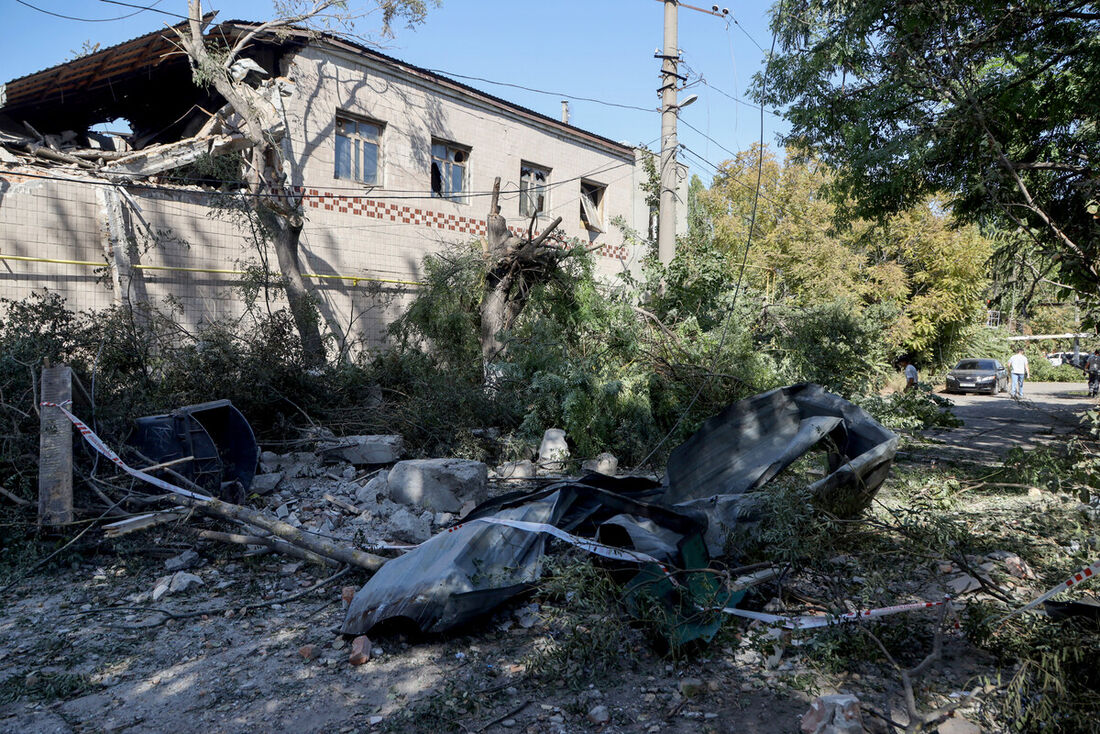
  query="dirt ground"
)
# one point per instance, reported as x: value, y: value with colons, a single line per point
x: 81, y: 649
x: 993, y: 424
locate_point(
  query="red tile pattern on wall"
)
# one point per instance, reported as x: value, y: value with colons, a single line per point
x: 388, y: 211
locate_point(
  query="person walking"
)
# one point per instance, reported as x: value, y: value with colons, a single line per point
x: 1092, y: 369
x: 910, y: 373
x: 1019, y: 368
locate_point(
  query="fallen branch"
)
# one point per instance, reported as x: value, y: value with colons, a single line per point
x: 287, y: 532
x: 168, y: 614
x: 279, y: 546
x: 14, y: 497
x: 917, y: 720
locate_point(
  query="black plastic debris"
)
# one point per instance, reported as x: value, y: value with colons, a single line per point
x: 714, y: 479
x: 216, y: 434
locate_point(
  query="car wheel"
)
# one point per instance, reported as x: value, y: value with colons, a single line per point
x: 996, y: 388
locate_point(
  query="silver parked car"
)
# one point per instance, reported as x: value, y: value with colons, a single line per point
x: 978, y: 375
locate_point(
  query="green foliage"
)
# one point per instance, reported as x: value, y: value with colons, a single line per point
x: 990, y: 102
x: 924, y: 272
x: 1043, y: 371
x: 910, y: 410
x: 1072, y: 469
x: 835, y: 345
x: 1055, y: 677
x: 44, y: 687
x: 588, y: 640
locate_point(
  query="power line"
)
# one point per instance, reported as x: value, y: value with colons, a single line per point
x: 704, y: 82
x: 740, y: 275
x: 543, y: 91
x: 141, y: 9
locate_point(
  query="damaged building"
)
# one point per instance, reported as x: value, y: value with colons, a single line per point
x: 391, y: 161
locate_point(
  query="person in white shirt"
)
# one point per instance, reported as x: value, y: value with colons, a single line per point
x: 910, y: 373
x: 1092, y: 370
x: 1018, y: 366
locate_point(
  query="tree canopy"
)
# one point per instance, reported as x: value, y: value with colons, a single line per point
x: 924, y: 272
x: 994, y: 103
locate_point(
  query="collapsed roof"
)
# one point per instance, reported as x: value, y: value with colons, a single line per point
x: 147, y: 81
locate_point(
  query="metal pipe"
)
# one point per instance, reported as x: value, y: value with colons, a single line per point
x: 218, y: 271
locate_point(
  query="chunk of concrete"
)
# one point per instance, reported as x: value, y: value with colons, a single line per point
x: 958, y: 725
x: 516, y: 470
x: 360, y: 450
x: 835, y: 714
x: 554, y: 450
x: 404, y: 525
x: 266, y: 483
x: 440, y: 485
x: 368, y: 493
x: 605, y: 463
x: 183, y: 562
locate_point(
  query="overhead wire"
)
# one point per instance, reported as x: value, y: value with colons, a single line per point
x: 543, y: 91
x: 740, y: 273
x: 141, y: 9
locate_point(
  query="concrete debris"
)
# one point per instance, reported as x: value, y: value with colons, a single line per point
x: 366, y: 450
x: 360, y: 650
x: 441, y: 485
x: 183, y: 562
x: 963, y: 583
x: 264, y: 484
x: 409, y: 527
x: 1018, y: 567
x: 527, y: 616
x: 835, y: 714
x: 599, y: 715
x: 605, y: 463
x: 516, y: 470
x: 957, y: 725
x: 553, y: 451
x: 177, y: 582
x: 375, y: 487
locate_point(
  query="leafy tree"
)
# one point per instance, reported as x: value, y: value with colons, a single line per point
x: 926, y: 269
x: 993, y: 102
x: 274, y: 201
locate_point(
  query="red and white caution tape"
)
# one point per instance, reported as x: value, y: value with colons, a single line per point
x: 608, y: 551
x: 1090, y: 571
x: 585, y: 544
x: 98, y: 445
x: 816, y: 621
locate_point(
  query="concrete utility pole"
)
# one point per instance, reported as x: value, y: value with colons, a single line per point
x: 666, y: 231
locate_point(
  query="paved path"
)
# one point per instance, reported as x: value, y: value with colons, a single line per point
x: 992, y: 424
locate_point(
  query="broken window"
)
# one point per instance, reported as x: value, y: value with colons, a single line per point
x: 449, y: 176
x: 592, y: 205
x: 533, y: 189
x: 358, y: 150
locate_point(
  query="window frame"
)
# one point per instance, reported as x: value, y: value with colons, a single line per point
x: 449, y: 161
x: 542, y: 191
x: 590, y: 209
x: 358, y: 141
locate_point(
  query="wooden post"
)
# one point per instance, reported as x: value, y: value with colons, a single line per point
x: 55, y: 449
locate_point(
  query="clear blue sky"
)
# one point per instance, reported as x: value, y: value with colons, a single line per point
x: 601, y: 49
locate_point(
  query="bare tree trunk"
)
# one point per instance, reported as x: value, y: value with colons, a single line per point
x: 277, y: 205
x: 285, y: 232
x: 514, y: 266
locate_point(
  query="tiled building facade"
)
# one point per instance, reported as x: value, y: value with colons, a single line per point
x: 393, y: 162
